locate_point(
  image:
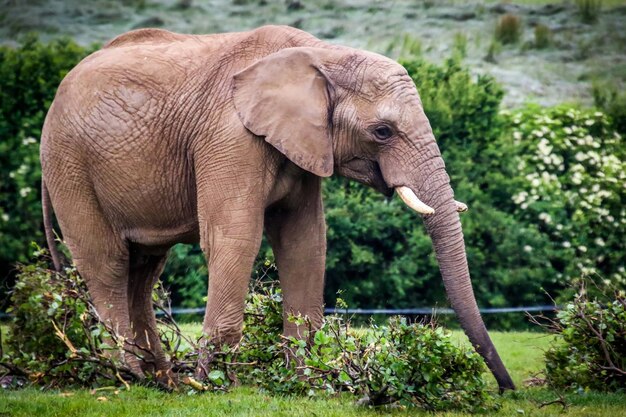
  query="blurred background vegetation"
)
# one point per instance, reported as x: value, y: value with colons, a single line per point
x: 546, y: 185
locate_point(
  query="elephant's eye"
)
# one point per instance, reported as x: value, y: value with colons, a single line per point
x: 383, y: 132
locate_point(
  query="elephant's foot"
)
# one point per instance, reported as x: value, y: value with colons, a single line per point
x: 148, y: 366
x: 214, y: 341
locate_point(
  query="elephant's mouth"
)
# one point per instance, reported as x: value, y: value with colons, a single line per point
x: 366, y: 172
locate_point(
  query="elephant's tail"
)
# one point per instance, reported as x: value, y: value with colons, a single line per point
x: 46, y: 206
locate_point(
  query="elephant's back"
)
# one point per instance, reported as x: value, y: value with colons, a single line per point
x: 145, y: 36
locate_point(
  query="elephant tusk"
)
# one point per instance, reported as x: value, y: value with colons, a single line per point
x: 460, y: 207
x: 410, y: 199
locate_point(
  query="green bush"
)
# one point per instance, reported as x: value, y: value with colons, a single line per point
x: 611, y: 98
x: 29, y: 77
x: 53, y: 327
x: 186, y: 274
x: 543, y: 36
x: 590, y: 350
x: 572, y: 170
x: 508, y: 29
x: 404, y: 364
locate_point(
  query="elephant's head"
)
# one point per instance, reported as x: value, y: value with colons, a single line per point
x: 359, y: 114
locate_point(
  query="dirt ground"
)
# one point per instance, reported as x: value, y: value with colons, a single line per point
x: 578, y: 55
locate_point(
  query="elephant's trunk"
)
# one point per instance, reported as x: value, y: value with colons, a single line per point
x: 444, y: 228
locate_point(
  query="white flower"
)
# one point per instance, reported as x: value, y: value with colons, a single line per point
x: 25, y: 191
x: 567, y: 244
x: 599, y: 241
x: 567, y: 130
x: 517, y: 135
x: 29, y: 141
x: 589, y: 122
x: 582, y: 248
x: 580, y: 156
x: 5, y: 217
x: 520, y: 197
x: 545, y: 217
x: 544, y: 147
x: 528, y: 248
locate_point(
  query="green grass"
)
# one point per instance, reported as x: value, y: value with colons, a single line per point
x: 520, y: 351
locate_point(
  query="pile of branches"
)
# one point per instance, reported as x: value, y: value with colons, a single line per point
x: 590, y: 348
x: 57, y: 340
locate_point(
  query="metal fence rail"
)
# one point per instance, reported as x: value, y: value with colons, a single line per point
x: 437, y: 310
x: 391, y: 311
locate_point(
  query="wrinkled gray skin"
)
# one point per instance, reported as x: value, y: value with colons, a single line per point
x: 161, y: 138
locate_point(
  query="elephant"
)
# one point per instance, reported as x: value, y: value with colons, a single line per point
x: 162, y: 138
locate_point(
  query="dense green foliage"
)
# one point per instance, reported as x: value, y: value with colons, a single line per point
x: 52, y: 327
x: 408, y: 364
x: 29, y: 76
x: 532, y: 225
x: 590, y: 351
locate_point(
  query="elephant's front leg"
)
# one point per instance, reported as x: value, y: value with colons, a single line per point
x: 297, y: 234
x: 231, y: 248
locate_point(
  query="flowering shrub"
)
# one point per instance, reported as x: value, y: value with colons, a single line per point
x: 572, y: 183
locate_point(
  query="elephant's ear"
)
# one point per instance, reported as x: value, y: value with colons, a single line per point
x: 285, y: 98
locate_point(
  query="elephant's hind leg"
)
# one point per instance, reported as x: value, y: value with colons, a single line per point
x: 144, y: 271
x: 99, y: 253
x: 104, y: 267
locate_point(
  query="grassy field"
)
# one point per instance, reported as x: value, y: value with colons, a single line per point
x: 521, y: 352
